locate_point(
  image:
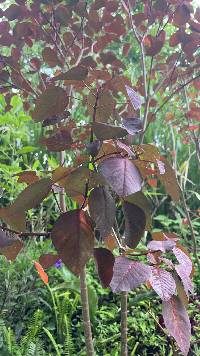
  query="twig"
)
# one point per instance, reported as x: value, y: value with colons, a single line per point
x: 24, y: 234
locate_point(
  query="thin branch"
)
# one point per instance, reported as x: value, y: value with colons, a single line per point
x: 25, y: 234
x: 175, y: 92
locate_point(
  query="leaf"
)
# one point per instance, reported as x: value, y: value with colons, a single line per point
x: 102, y: 210
x: 153, y: 45
x: 168, y: 179
x: 76, y: 180
x: 104, y: 106
x: 185, y: 277
x: 181, y: 15
x: 52, y: 101
x: 134, y: 97
x: 43, y: 275
x: 27, y: 177
x: 78, y: 73
x: 162, y: 282
x: 147, y: 152
x: 143, y: 203
x: 10, y: 245
x: 123, y: 177
x: 48, y: 260
x: 128, y: 274
x: 32, y: 195
x: 180, y: 289
x: 132, y: 126
x: 163, y: 246
x: 58, y: 142
x: 183, y: 259
x: 14, y: 218
x: 93, y: 147
x: 11, y: 252
x: 105, y: 262
x: 164, y: 236
x: 105, y: 132
x: 135, y: 221
x: 177, y: 323
x: 50, y: 57
x: 73, y: 238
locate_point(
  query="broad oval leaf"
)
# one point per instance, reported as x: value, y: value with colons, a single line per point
x: 162, y: 282
x: 59, y: 141
x: 183, y: 259
x: 168, y: 179
x: 132, y: 126
x: 105, y: 262
x: 73, y: 238
x: 74, y: 74
x: 105, y: 132
x: 10, y: 245
x: 102, y: 210
x: 122, y: 175
x: 128, y: 274
x: 27, y: 177
x: 135, y: 221
x: 52, y: 101
x: 143, y: 203
x: 48, y: 260
x: 32, y: 195
x: 177, y: 322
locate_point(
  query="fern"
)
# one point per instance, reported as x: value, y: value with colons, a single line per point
x: 34, y: 328
x: 68, y: 342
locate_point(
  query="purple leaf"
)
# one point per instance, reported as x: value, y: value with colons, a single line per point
x: 177, y: 323
x: 105, y: 132
x: 122, y: 175
x: 128, y: 274
x: 105, y: 262
x: 162, y: 282
x: 135, y: 221
x: 125, y: 148
x: 134, y: 97
x: 183, y: 259
x: 102, y: 210
x: 132, y: 126
x: 161, y: 245
x: 93, y: 147
x: 185, y: 278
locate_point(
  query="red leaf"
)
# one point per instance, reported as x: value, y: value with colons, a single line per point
x: 122, y: 175
x: 177, y: 323
x: 48, y: 260
x: 135, y: 221
x: 102, y: 210
x: 73, y: 238
x: 105, y: 262
x: 181, y: 15
x: 163, y: 283
x: 128, y: 274
x: 43, y: 275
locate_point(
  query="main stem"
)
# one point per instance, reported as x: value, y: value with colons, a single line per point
x: 83, y: 287
x: 86, y: 314
x: 124, y: 347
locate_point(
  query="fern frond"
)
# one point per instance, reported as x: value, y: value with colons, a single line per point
x: 68, y: 343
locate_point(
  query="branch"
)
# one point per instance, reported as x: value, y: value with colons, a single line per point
x: 175, y: 92
x: 25, y: 234
x: 124, y: 302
